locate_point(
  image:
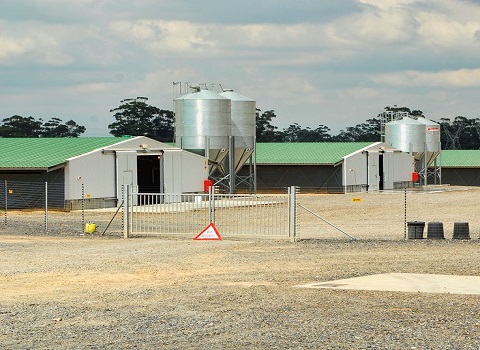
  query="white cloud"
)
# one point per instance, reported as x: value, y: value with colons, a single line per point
x: 33, y: 43
x: 267, y: 36
x: 462, y: 78
x: 360, y: 93
x: 388, y: 4
x: 380, y: 27
x: 364, y: 53
x: 295, y: 88
x: 163, y: 37
x: 89, y: 88
x: 382, y: 22
x: 11, y: 48
x: 441, y: 32
x: 264, y: 44
x: 448, y: 26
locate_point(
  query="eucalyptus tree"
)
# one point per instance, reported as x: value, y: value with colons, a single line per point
x: 364, y: 132
x: 265, y: 130
x: 135, y: 117
x: 55, y: 128
x: 18, y: 126
x: 295, y: 133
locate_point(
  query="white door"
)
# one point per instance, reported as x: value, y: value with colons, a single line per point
x: 126, y: 172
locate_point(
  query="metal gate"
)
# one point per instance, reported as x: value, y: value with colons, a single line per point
x: 266, y: 216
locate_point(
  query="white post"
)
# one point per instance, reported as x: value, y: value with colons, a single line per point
x: 231, y: 163
x: 292, y: 213
x: 255, y: 165
x: 126, y: 212
x: 425, y: 163
x: 211, y: 202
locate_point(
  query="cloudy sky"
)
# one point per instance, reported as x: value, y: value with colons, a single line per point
x: 330, y: 62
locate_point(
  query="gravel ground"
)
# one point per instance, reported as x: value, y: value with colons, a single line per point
x: 104, y: 292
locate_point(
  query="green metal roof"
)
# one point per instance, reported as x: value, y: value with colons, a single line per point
x: 306, y: 152
x: 460, y: 158
x: 43, y: 153
x: 333, y: 152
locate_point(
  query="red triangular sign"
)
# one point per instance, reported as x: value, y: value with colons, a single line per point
x: 209, y: 233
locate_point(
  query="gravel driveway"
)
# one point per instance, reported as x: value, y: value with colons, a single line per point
x: 96, y: 292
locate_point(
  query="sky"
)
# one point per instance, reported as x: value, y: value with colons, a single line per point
x: 314, y: 62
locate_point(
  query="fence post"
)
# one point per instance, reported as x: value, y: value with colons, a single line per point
x: 405, y: 214
x: 46, y: 206
x: 83, y: 208
x: 292, y: 213
x: 123, y: 211
x: 126, y: 211
x: 211, y: 202
x: 6, y: 205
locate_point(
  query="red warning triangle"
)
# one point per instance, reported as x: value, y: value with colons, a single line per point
x: 209, y: 233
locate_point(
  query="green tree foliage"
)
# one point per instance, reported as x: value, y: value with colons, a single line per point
x: 266, y: 132
x: 415, y: 113
x: 18, y: 126
x: 368, y: 131
x: 461, y: 133
x: 137, y: 118
x: 55, y: 128
x: 295, y: 133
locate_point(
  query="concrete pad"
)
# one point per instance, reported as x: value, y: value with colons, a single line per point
x: 406, y: 282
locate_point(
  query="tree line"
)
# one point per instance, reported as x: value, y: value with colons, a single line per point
x: 457, y: 133
x: 18, y: 126
x: 135, y: 117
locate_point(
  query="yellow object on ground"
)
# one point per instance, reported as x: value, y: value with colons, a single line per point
x: 90, y: 228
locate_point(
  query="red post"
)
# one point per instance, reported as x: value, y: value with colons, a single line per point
x: 207, y: 184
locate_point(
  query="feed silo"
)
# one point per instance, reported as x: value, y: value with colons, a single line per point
x: 421, y: 138
x: 428, y: 166
x: 432, y: 139
x: 203, y: 125
x: 243, y: 112
x: 407, y: 135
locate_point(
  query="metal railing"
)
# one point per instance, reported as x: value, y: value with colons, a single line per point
x: 232, y: 214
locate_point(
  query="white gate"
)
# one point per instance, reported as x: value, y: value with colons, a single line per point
x: 267, y: 216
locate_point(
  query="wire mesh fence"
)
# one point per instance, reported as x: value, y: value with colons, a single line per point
x: 27, y: 208
x: 40, y: 208
x: 386, y: 215
x: 62, y: 223
x: 31, y: 195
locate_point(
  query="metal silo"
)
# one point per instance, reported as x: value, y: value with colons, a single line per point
x: 432, y: 139
x: 243, y: 112
x: 427, y: 165
x: 203, y: 125
x: 408, y: 135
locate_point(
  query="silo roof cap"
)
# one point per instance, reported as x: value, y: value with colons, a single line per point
x: 426, y: 121
x: 235, y: 96
x: 405, y: 120
x: 202, y: 95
